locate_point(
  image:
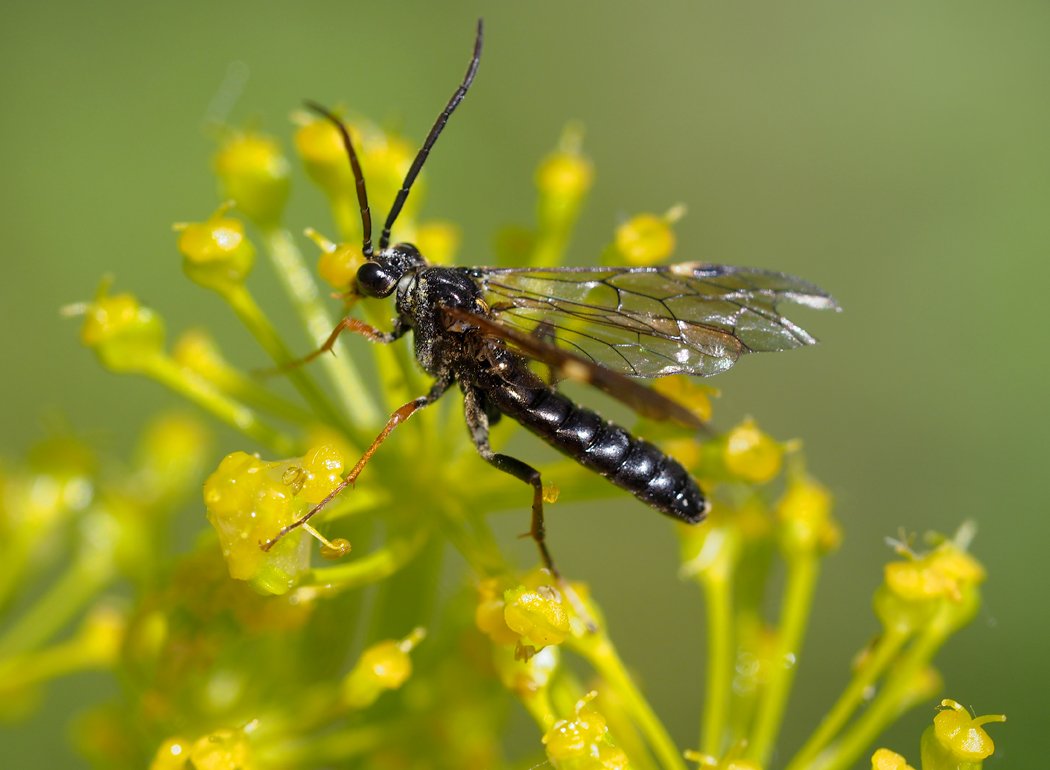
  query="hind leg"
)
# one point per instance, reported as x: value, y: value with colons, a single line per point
x: 478, y: 425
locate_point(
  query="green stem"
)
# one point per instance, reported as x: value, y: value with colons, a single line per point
x: 798, y: 596
x: 31, y: 668
x: 331, y: 748
x: 408, y: 598
x: 718, y: 593
x: 255, y: 320
x: 245, y: 389
x: 301, y: 287
x: 368, y: 569
x: 70, y: 593
x: 884, y: 651
x: 624, y: 731
x: 202, y: 393
x: 601, y: 654
x: 13, y: 567
x: 903, y: 688
x: 471, y: 535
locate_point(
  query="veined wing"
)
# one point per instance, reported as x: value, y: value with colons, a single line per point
x: 645, y: 401
x: 688, y: 318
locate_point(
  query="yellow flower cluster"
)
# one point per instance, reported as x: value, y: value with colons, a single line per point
x: 250, y: 500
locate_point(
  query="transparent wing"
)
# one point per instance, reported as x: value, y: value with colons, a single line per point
x: 689, y: 318
x: 645, y: 401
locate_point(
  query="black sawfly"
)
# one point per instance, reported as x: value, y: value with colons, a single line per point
x: 479, y: 327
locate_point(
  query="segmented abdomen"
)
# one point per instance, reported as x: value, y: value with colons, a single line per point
x: 628, y: 462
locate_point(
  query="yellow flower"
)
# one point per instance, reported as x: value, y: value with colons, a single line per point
x: 254, y: 174
x: 582, y: 743
x: 804, y: 513
x: 751, y: 454
x: 125, y: 335
x: 384, y: 666
x: 250, y: 500
x: 647, y: 239
x: 537, y: 615
x: 957, y: 738
x: 216, y: 253
x: 884, y: 759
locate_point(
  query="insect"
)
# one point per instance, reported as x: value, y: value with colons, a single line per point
x: 479, y: 327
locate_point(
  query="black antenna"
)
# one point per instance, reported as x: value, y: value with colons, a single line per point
x: 359, y: 178
x: 439, y: 124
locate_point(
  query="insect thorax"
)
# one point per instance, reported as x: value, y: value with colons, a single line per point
x: 421, y: 297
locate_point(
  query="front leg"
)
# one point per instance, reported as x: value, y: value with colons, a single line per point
x: 356, y: 326
x: 399, y: 416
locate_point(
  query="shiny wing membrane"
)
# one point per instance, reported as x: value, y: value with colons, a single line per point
x: 643, y: 400
x: 689, y: 318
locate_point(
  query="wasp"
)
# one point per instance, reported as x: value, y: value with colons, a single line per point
x: 478, y: 328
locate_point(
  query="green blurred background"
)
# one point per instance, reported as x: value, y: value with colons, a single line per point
x: 896, y: 153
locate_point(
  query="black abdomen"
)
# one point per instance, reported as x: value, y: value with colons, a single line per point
x: 628, y: 462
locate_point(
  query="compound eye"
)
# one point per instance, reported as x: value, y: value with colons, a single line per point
x: 374, y: 280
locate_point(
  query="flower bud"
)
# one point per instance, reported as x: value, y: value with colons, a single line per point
x: 216, y: 253
x: 564, y: 178
x: 221, y: 750
x: 751, y: 454
x: 126, y: 336
x: 917, y: 588
x: 946, y: 572
x: 320, y: 146
x: 647, y: 239
x: 489, y: 614
x: 196, y: 350
x: 694, y: 396
x: 804, y: 513
x: 438, y: 241
x: 173, y: 754
x: 338, y: 263
x: 957, y: 740
x: 383, y: 666
x: 582, y: 743
x: 538, y: 615
x: 254, y: 174
x: 101, y: 635
x: 249, y: 501
x: 60, y: 482
x: 172, y: 452
x: 884, y: 759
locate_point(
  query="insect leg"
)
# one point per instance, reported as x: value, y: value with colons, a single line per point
x: 478, y: 425
x: 399, y: 416
x: 356, y: 326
